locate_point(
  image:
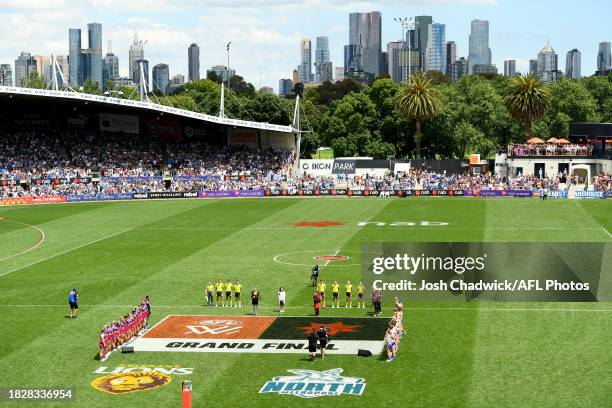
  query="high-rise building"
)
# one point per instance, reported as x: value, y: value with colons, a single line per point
x: 547, y: 65
x: 94, y: 35
x: 6, y: 75
x: 295, y: 77
x: 604, y: 56
x: 352, y: 59
x: 75, y: 60
x: 305, y: 67
x: 451, y: 55
x: 176, y: 82
x: 484, y: 69
x: 321, y: 57
x: 285, y: 87
x: 136, y: 53
x: 24, y: 66
x: 436, y: 48
x: 110, y: 66
x: 339, y: 74
x: 479, y: 53
x: 43, y: 63
x: 459, y: 69
x: 398, y: 58
x: 64, y: 66
x: 222, y: 72
x: 193, y: 53
x: 421, y: 38
x: 145, y: 70
x: 161, y: 78
x: 533, y: 66
x: 573, y: 64
x: 510, y: 68
x: 327, y: 72
x: 365, y: 32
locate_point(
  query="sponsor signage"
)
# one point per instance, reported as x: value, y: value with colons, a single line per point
x: 231, y: 193
x: 164, y: 128
x: 243, y: 137
x: 98, y: 197
x: 608, y: 194
x: 312, y: 384
x: 316, y: 167
x: 589, y: 194
x: 111, y: 122
x: 33, y: 200
x: 260, y: 334
x: 344, y: 166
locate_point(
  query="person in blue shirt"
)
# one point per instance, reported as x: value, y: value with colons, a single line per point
x: 73, y: 300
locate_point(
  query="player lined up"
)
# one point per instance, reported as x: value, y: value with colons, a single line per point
x: 395, y: 330
x: 228, y: 294
x: 348, y: 292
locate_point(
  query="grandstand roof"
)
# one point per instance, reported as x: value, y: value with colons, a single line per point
x: 76, y: 96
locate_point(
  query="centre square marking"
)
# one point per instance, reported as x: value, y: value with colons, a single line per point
x: 260, y: 334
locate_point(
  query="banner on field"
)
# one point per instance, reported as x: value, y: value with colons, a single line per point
x: 32, y: 200
x: 111, y: 122
x: 589, y: 194
x: 261, y: 334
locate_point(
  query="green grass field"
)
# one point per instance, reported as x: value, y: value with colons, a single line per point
x: 455, y: 354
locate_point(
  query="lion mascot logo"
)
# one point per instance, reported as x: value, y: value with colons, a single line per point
x: 122, y: 383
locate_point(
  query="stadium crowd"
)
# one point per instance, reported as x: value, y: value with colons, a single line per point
x: 550, y: 149
x: 39, y: 164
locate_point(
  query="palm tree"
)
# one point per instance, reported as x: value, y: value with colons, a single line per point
x: 527, y: 100
x: 420, y: 100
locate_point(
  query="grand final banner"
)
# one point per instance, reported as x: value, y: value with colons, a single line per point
x: 261, y: 334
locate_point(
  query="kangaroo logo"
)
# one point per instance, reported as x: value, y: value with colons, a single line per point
x: 311, y: 384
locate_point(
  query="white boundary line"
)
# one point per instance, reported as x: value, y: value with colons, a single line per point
x: 66, y: 251
x: 39, y: 243
x: 607, y: 232
x: 478, y: 309
x: 329, y: 260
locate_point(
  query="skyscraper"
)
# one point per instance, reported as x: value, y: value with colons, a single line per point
x: 6, y: 75
x: 94, y: 35
x: 42, y: 66
x: 365, y: 33
x: 327, y: 72
x: 75, y: 59
x: 533, y: 66
x: 110, y: 67
x: 436, y: 48
x: 421, y: 26
x: 321, y: 57
x: 479, y: 53
x: 510, y: 68
x: 397, y: 60
x: 222, y: 72
x: 24, y: 66
x: 451, y: 55
x: 136, y: 53
x: 459, y: 69
x: 145, y: 69
x: 305, y: 67
x: 339, y: 74
x: 352, y: 59
x: 161, y: 78
x: 604, y: 56
x: 573, y: 64
x: 193, y: 54
x: 547, y: 65
x: 285, y: 87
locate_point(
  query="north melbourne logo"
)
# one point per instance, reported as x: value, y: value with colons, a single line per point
x: 312, y: 384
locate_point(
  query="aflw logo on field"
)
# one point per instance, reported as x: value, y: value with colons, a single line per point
x: 312, y: 384
x: 215, y: 327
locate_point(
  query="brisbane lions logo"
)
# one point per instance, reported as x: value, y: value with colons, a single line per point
x: 122, y: 383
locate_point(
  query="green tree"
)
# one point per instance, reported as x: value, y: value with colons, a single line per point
x: 572, y: 98
x: 600, y: 87
x: 212, y: 76
x: 35, y: 80
x: 91, y: 87
x: 469, y: 140
x: 527, y: 100
x: 419, y: 100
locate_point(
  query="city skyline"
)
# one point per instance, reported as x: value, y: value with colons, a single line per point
x: 268, y: 51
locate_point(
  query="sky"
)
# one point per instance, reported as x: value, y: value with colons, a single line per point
x: 265, y: 34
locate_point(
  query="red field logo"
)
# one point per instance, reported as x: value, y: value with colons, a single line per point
x: 332, y: 328
x: 331, y: 258
x: 320, y: 224
x: 215, y: 327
